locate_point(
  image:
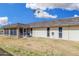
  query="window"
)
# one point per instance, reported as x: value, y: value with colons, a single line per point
x: 13, y: 32
x: 52, y: 33
x: 60, y: 32
x: 48, y: 31
x: 60, y: 29
x: 6, y: 31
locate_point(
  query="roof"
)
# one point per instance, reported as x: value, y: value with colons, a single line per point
x: 17, y: 25
x: 59, y: 22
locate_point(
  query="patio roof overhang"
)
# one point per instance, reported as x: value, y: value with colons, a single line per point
x: 18, y: 25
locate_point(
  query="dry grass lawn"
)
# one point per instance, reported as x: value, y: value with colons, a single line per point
x: 39, y: 46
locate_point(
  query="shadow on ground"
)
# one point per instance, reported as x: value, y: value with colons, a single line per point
x: 4, y: 53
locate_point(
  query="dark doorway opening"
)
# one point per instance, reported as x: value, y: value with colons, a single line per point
x: 48, y: 32
x: 21, y: 31
x: 28, y: 32
x: 60, y: 32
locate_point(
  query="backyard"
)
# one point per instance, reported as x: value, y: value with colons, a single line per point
x: 39, y: 46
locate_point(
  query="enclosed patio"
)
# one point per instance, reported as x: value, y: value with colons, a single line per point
x: 18, y: 30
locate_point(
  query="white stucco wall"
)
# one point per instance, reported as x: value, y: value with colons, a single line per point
x: 41, y: 32
x: 68, y: 33
x: 74, y: 35
x: 55, y: 33
x: 65, y: 33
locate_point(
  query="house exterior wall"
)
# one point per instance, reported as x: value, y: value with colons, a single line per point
x: 54, y: 33
x: 68, y: 33
x: 74, y: 33
x: 65, y: 33
x: 39, y: 32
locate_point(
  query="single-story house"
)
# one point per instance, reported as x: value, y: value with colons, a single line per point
x: 66, y: 29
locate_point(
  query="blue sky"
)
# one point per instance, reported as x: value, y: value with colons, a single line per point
x: 18, y: 13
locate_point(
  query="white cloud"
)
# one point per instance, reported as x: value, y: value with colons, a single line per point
x: 76, y: 15
x: 44, y: 6
x: 3, y: 20
x: 40, y: 10
x: 43, y: 14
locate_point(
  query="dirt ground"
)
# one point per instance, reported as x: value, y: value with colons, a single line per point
x: 36, y: 45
